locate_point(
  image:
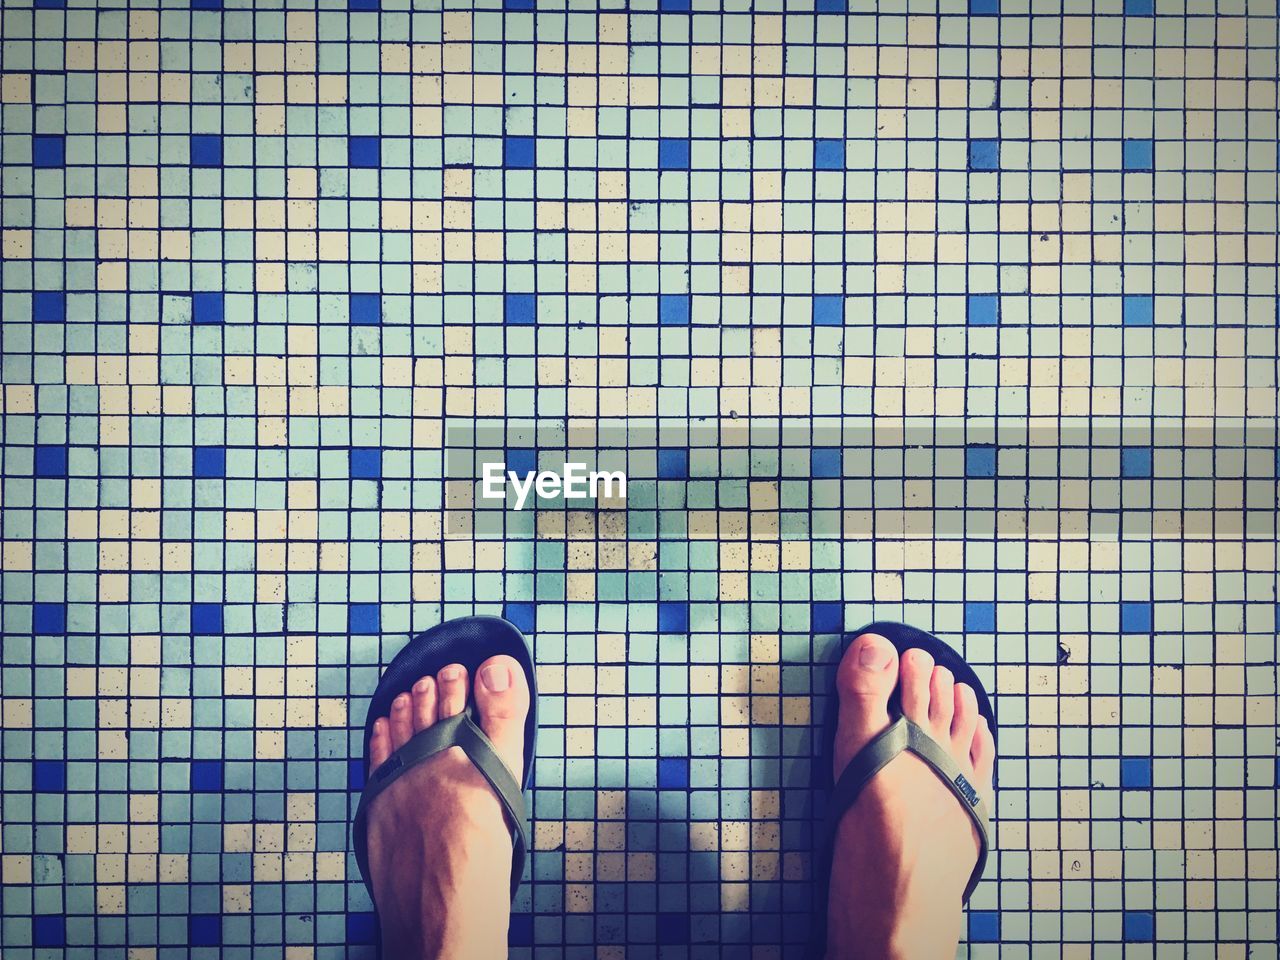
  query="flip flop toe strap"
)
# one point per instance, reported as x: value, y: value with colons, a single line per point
x: 904, y: 735
x: 459, y: 731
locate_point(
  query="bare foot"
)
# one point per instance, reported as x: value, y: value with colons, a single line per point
x: 439, y: 844
x: 906, y: 848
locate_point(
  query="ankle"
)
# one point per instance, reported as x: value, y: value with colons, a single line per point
x: 446, y: 941
x: 900, y: 938
x: 454, y: 917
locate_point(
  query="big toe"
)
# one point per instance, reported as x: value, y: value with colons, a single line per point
x: 502, y: 700
x: 865, y: 678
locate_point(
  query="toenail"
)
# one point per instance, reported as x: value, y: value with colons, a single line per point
x: 873, y: 655
x: 450, y: 673
x: 423, y: 685
x: 495, y: 678
x: 401, y: 702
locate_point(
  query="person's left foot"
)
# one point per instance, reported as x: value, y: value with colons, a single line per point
x: 439, y: 843
x: 906, y: 848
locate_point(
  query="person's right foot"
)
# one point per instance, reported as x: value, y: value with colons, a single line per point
x: 906, y: 848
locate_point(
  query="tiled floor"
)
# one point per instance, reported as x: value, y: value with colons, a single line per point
x: 960, y: 316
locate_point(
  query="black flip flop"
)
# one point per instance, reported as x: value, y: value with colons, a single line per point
x: 468, y: 641
x: 900, y: 736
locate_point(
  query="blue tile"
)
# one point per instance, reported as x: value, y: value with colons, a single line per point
x: 826, y: 463
x: 363, y: 619
x: 1135, y: 462
x: 673, y: 153
x: 206, y: 307
x: 362, y: 927
x: 1136, y: 616
x: 355, y: 774
x: 1139, y: 926
x: 831, y: 6
x: 673, y: 773
x: 49, y: 619
x: 828, y: 310
x: 1139, y: 8
x: 673, y: 928
x: 49, y: 306
x: 209, y: 462
x: 674, y: 6
x: 980, y: 616
x: 206, y: 619
x: 984, y: 154
x: 366, y: 463
x: 518, y: 153
x: 48, y: 151
x: 206, y: 4
x: 49, y: 776
x: 673, y: 616
x: 1139, y: 155
x: 980, y: 461
x: 1135, y: 773
x: 206, y: 776
x: 520, y: 930
x: 827, y: 616
x: 520, y: 308
x: 364, y: 153
x: 50, y: 4
x: 828, y: 154
x: 363, y: 6
x: 524, y: 616
x: 49, y: 930
x: 518, y: 5
x: 206, y: 150
x: 983, y: 8
x: 522, y: 461
x: 673, y: 464
x: 51, y: 460
x: 204, y: 929
x: 983, y: 310
x: 365, y: 309
x: 1139, y: 310
x: 984, y: 926
x: 674, y: 309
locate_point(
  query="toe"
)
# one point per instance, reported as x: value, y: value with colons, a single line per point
x: 379, y: 743
x: 965, y: 722
x: 916, y: 673
x: 401, y: 720
x: 424, y: 703
x: 983, y: 755
x: 866, y: 669
x: 866, y: 677
x: 942, y: 702
x: 451, y: 687
x: 502, y: 700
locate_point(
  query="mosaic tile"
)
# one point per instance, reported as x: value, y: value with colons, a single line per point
x: 960, y: 314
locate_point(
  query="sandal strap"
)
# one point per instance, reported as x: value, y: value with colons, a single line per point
x: 901, y: 736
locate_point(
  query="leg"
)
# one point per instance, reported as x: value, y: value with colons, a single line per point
x: 439, y: 845
x: 905, y: 849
